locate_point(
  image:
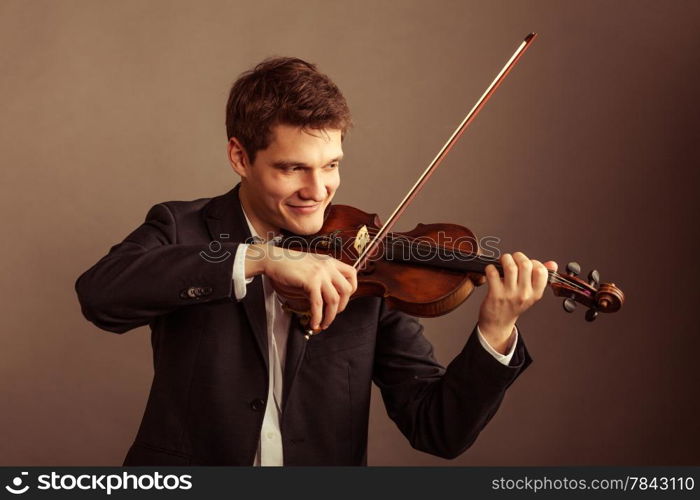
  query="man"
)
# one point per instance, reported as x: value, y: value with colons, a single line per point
x: 235, y: 380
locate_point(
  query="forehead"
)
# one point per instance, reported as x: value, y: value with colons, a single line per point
x: 311, y: 144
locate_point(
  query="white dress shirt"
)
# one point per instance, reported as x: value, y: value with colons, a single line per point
x: 270, y: 442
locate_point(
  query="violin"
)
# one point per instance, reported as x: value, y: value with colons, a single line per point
x: 432, y: 269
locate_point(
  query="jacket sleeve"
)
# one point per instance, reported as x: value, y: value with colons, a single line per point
x: 148, y: 275
x: 440, y: 410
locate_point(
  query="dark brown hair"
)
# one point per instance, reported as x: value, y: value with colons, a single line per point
x: 282, y: 90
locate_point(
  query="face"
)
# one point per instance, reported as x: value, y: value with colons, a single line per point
x: 292, y: 181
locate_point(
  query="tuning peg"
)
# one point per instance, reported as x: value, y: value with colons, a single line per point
x: 594, y: 278
x: 591, y: 315
x: 573, y: 268
x: 569, y: 305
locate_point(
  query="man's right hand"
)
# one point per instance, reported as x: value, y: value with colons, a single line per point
x: 326, y: 283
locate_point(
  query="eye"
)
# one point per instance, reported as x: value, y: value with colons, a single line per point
x: 290, y: 169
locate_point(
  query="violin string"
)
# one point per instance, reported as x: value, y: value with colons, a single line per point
x: 554, y: 276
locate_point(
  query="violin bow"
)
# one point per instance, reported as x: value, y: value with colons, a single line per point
x: 389, y: 224
x: 604, y: 297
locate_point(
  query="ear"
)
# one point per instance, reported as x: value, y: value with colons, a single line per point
x: 237, y: 157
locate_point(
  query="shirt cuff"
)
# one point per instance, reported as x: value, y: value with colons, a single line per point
x: 503, y: 358
x: 238, y: 277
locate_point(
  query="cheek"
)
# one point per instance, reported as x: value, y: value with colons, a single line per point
x: 334, y: 181
x: 276, y: 187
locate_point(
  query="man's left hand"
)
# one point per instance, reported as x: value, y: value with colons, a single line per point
x: 523, y: 284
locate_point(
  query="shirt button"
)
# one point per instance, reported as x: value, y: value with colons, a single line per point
x: 257, y: 404
x: 270, y: 435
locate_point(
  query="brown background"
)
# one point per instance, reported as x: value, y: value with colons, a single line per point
x: 589, y: 151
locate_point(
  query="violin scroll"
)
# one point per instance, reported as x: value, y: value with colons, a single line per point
x: 596, y: 296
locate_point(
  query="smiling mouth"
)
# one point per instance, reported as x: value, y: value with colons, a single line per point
x: 304, y: 209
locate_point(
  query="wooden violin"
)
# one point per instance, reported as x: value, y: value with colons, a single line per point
x: 432, y: 269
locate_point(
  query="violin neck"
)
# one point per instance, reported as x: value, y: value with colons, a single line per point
x: 444, y: 258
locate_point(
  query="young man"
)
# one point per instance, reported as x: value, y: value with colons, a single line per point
x: 236, y: 382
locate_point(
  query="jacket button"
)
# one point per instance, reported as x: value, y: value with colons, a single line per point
x: 257, y: 404
x: 192, y: 292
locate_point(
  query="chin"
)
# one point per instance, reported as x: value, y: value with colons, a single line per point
x: 308, y: 229
x: 305, y: 228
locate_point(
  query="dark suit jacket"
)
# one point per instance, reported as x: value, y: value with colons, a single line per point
x: 210, y: 381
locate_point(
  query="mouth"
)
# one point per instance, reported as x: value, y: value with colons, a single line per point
x: 304, y: 209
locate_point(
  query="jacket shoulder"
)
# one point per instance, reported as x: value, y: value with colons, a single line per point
x: 182, y: 220
x: 182, y: 207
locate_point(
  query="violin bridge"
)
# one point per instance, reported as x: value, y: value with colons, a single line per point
x: 361, y: 240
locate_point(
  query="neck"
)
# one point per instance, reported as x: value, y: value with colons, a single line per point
x: 261, y: 227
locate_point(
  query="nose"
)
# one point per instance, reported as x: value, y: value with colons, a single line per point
x: 314, y: 187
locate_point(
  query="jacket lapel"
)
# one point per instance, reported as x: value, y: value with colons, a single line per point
x: 296, y: 346
x: 226, y: 223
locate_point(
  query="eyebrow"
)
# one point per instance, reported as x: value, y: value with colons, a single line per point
x: 286, y: 164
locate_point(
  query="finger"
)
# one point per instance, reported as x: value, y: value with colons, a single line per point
x: 524, y: 273
x: 493, y: 278
x: 350, y: 274
x: 510, y: 273
x: 540, y: 276
x: 316, y: 301
x: 330, y: 300
x: 551, y: 265
x: 344, y: 289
